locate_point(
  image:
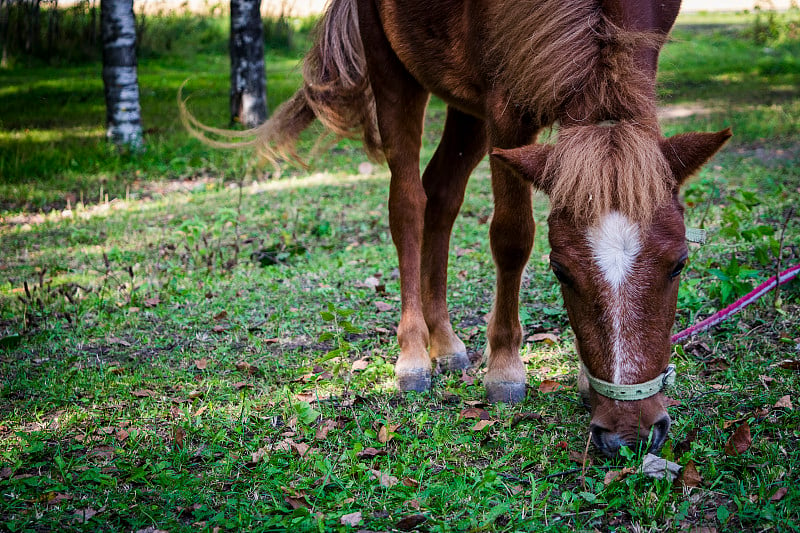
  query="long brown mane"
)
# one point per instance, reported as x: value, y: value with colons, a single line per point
x: 566, y: 61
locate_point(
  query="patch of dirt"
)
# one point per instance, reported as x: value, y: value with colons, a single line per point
x: 668, y: 112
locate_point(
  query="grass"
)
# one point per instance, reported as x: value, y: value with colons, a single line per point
x: 207, y: 348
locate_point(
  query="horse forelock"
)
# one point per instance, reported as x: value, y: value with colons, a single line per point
x: 596, y: 169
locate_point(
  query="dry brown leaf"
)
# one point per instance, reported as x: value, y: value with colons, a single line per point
x: 525, y: 417
x: 414, y: 504
x: 246, y: 368
x: 475, y: 412
x: 297, y: 502
x: 143, y: 393
x: 410, y: 522
x: 739, y: 441
x: 410, y: 482
x: 548, y: 386
x: 241, y: 385
x: 690, y: 477
x: 614, y: 475
x: 257, y: 455
x: 385, y: 480
x: 778, y: 494
x: 790, y: 364
x: 221, y: 315
x: 351, y: 519
x: 361, y: 364
x: 152, y: 302
x: 482, y: 424
x: 301, y: 448
x: 466, y: 378
x: 383, y: 307
x: 178, y: 435
x: 385, y: 433
x: 547, y: 338
x: 324, y: 428
x: 370, y: 452
x: 201, y: 364
x: 201, y: 410
x: 580, y: 458
x: 220, y: 328
x: 784, y: 403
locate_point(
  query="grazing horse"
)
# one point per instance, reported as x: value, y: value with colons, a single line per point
x: 507, y: 69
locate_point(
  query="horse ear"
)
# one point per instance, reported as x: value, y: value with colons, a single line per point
x: 687, y: 152
x: 528, y: 161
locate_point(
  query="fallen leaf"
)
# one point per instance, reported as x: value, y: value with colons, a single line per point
x: 614, y: 475
x: 178, y: 434
x: 201, y: 364
x: 152, y: 302
x: 790, y: 364
x: 385, y: 480
x: 525, y: 417
x: 301, y: 448
x: 361, y: 364
x: 143, y: 393
x: 410, y: 522
x: 410, y: 482
x: 548, y: 386
x: 246, y: 368
x: 241, y: 384
x: 690, y: 477
x: 414, y: 504
x: 324, y: 428
x: 5, y: 472
x: 740, y: 440
x: 122, y: 434
x: 257, y: 455
x: 297, y: 503
x: 671, y: 402
x: 658, y: 468
x: 784, y: 403
x: 220, y: 328
x: 466, y: 378
x: 201, y: 410
x: 116, y: 340
x: 383, y: 306
x: 221, y: 315
x: 351, y: 519
x: 475, y: 412
x: 547, y: 338
x: 580, y: 458
x: 778, y: 494
x: 370, y: 452
x: 562, y: 444
x: 482, y: 424
x: 385, y: 433
x: 84, y: 515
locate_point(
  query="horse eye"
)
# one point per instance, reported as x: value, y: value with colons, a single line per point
x: 677, y: 270
x: 561, y: 276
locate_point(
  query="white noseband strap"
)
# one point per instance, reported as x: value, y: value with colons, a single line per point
x: 640, y: 391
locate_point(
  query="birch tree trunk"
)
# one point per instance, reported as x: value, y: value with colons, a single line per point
x: 248, y: 76
x: 123, y: 114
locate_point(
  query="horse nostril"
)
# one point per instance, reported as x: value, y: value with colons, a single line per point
x: 607, y: 442
x: 659, y: 433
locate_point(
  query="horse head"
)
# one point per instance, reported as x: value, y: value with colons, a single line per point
x: 619, y: 264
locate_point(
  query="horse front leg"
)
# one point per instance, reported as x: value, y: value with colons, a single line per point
x: 462, y: 146
x: 511, y: 235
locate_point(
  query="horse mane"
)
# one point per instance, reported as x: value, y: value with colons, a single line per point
x: 565, y: 60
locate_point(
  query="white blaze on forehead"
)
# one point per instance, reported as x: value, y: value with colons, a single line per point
x: 615, y: 243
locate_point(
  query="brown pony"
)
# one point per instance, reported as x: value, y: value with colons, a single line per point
x: 507, y: 69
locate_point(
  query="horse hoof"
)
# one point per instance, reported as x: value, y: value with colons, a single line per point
x: 505, y: 392
x: 414, y: 380
x: 453, y: 362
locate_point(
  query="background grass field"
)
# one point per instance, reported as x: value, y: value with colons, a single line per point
x: 190, y: 342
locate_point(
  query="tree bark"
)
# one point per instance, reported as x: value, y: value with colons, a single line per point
x: 123, y: 113
x: 248, y: 76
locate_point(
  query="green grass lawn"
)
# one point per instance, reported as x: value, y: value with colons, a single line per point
x: 190, y: 342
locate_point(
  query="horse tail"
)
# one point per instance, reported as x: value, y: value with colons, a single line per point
x: 336, y: 90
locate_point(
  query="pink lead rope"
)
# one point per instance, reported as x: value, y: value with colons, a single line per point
x: 741, y: 303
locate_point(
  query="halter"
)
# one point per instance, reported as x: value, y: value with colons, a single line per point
x: 639, y: 391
